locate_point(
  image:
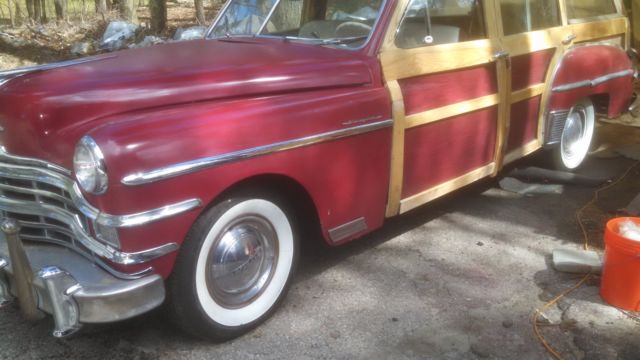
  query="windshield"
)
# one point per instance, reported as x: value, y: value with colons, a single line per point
x: 345, y: 23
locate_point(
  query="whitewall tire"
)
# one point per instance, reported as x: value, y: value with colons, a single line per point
x: 234, y: 268
x: 577, y: 135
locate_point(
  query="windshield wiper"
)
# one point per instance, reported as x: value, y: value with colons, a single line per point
x: 330, y: 41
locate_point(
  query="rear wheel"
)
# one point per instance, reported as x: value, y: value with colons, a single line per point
x: 233, y: 269
x: 576, y: 136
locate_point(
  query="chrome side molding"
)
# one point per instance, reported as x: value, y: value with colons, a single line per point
x: 593, y: 83
x: 351, y: 228
x: 146, y: 177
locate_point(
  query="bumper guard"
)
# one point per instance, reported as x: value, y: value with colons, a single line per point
x: 79, y: 293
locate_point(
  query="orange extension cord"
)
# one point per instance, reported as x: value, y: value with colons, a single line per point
x: 538, y: 312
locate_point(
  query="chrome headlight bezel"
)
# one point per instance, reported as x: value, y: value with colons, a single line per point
x: 89, y: 166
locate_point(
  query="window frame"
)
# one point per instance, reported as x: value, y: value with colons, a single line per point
x: 405, y: 11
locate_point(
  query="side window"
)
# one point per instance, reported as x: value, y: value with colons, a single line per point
x: 435, y: 22
x: 581, y: 9
x: 520, y: 16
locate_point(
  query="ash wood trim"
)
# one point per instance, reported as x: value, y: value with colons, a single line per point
x: 445, y: 188
x: 522, y: 151
x: 599, y: 29
x: 528, y: 93
x: 504, y: 112
x: 390, y: 37
x: 405, y: 63
x: 397, y: 149
x: 441, y: 113
x: 525, y: 43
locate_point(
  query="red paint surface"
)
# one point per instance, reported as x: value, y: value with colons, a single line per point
x: 438, y: 152
x: 524, y: 123
x: 211, y: 98
x: 427, y: 92
x: 58, y: 106
x: 588, y: 63
x: 530, y: 69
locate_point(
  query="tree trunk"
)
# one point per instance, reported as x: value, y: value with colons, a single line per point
x: 31, y: 9
x: 43, y: 18
x: 127, y: 10
x: 18, y: 13
x: 61, y: 9
x: 288, y: 15
x: 37, y: 10
x: 158, y: 9
x: 101, y: 8
x: 200, y: 12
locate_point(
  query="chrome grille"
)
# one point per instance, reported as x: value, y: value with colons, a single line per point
x: 37, y: 227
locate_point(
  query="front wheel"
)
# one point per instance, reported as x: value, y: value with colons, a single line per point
x: 233, y: 269
x: 576, y: 136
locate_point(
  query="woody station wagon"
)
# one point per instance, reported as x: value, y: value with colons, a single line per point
x: 180, y: 173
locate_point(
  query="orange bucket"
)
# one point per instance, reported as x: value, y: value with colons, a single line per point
x: 620, y: 284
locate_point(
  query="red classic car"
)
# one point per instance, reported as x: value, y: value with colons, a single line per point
x: 180, y: 173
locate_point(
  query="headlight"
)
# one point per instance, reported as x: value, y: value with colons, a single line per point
x: 89, y: 166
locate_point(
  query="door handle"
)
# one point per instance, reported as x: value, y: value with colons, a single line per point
x: 501, y: 55
x: 569, y: 39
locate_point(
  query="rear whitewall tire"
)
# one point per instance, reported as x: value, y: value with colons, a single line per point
x: 577, y: 136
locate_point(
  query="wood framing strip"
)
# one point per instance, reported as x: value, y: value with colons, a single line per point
x: 504, y: 116
x: 599, y: 29
x: 397, y: 149
x: 527, y: 93
x: 433, y: 115
x: 445, y: 188
x: 522, y: 151
x: 405, y: 63
x: 525, y: 43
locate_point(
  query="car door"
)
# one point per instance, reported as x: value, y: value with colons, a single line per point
x: 447, y: 80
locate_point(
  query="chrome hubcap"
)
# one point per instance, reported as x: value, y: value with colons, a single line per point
x: 242, y: 261
x: 575, y: 141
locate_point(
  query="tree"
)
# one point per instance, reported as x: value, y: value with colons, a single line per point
x: 199, y: 4
x: 61, y: 9
x: 158, y: 9
x: 101, y: 8
x: 127, y: 9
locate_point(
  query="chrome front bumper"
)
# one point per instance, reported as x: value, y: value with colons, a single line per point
x: 58, y: 281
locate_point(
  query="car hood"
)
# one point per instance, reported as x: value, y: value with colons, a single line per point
x: 47, y: 111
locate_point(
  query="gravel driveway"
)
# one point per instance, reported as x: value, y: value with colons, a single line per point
x: 456, y: 279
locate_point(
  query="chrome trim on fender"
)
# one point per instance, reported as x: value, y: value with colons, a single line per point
x: 593, y: 83
x: 351, y: 228
x: 187, y: 167
x: 27, y: 173
x: 146, y: 217
x: 85, y: 239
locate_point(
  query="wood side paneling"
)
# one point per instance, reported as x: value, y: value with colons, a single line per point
x: 530, y: 69
x: 425, y: 92
x: 524, y: 123
x: 441, y: 151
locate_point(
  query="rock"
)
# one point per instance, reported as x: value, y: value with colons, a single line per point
x: 481, y: 350
x: 508, y: 323
x: 81, y: 48
x: 192, y: 33
x: 117, y: 34
x: 147, y: 41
